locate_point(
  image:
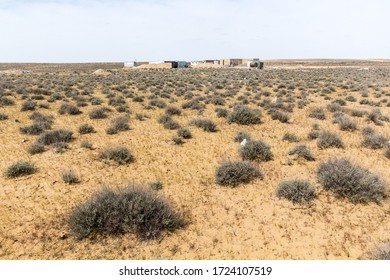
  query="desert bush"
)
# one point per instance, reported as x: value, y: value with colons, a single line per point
x: 116, y: 101
x: 172, y: 110
x: 358, y: 113
x: 233, y: 173
x: 118, y: 124
x: 55, y: 136
x: 85, y: 144
x: 244, y: 115
x: 221, y: 112
x: 19, y: 168
x: 69, y: 177
x: 157, y: 103
x: 34, y: 129
x: 381, y: 252
x: 374, y: 141
x: 347, y: 180
x: 122, y: 108
x: 140, y: 117
x: 120, y: 154
x: 280, y: 116
x: 54, y: 97
x: 315, y: 126
x: 70, y: 109
x: 241, y: 135
x: 217, y: 100
x: 111, y: 130
x: 341, y: 102
x: 367, y: 130
x: 28, y: 105
x: 290, y: 137
x: 387, y: 151
x: 334, y: 107
x: 39, y: 117
x: 168, y: 122
x: 3, y: 116
x: 98, y: 113
x: 302, y: 151
x: 35, y: 148
x: 60, y: 147
x: 256, y: 150
x: 375, y: 117
x: 138, y: 98
x: 346, y: 123
x: 177, y: 140
x: 155, y: 185
x: 129, y: 209
x: 5, y: 101
x: 350, y: 98
x: 205, y: 124
x: 297, y: 191
x: 328, y: 139
x: 193, y: 104
x: 86, y: 128
x: 184, y: 133
x: 317, y: 113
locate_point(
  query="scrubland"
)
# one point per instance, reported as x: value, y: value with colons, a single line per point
x: 195, y: 164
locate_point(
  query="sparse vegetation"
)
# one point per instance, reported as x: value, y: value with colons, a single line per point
x: 235, y: 101
x: 98, y: 113
x: 241, y: 135
x: 3, y: 116
x: 233, y: 173
x: 129, y: 209
x: 205, y: 124
x: 381, y: 252
x: 172, y: 110
x: 35, y: 148
x: 85, y: 144
x: 317, y: 113
x: 328, y: 139
x: 256, y: 150
x: 302, y: 151
x: 177, y: 140
x: 168, y: 122
x: 28, y: 106
x: 155, y: 185
x: 297, y: 191
x: 373, y: 140
x: 55, y: 136
x: 347, y: 180
x: 118, y: 124
x: 86, y: 129
x: 120, y: 154
x: 290, y: 137
x: 244, y: 115
x: 19, y: 168
x: 70, y: 109
x: 184, y: 132
x: 69, y: 177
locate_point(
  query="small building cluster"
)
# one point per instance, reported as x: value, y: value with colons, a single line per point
x: 224, y: 62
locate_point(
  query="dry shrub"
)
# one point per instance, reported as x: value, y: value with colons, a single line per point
x: 297, y: 191
x: 233, y: 173
x: 351, y: 181
x: 129, y: 209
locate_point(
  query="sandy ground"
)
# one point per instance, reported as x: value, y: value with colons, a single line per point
x: 247, y: 222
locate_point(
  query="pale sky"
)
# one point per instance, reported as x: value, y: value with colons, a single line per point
x: 126, y: 30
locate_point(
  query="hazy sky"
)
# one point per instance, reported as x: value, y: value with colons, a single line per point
x: 125, y: 30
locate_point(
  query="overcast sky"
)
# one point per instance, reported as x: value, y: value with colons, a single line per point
x: 126, y: 30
